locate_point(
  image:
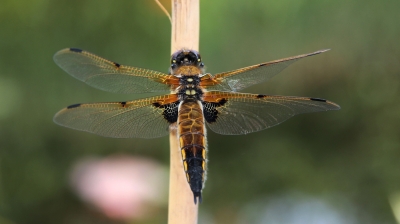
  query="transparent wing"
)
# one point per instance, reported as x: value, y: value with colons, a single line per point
x: 144, y: 118
x: 244, y: 77
x: 242, y: 113
x: 110, y: 76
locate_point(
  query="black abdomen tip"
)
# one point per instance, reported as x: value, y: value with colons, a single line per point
x: 75, y: 50
x: 197, y: 195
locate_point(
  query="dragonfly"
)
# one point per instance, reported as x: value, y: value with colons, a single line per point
x: 195, y: 98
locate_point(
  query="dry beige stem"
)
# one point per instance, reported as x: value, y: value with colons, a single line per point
x: 185, y: 34
x: 185, y: 25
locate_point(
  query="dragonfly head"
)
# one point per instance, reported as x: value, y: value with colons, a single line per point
x: 184, y: 57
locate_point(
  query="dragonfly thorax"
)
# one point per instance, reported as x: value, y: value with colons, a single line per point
x: 189, y: 87
x: 186, y: 80
x: 190, y: 92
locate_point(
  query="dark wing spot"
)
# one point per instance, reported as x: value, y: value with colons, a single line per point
x: 123, y: 104
x: 157, y: 104
x: 261, y: 96
x: 116, y: 64
x: 170, y: 112
x: 222, y: 102
x: 75, y: 50
x: 210, y: 110
x: 318, y: 99
x: 262, y: 64
x: 74, y: 106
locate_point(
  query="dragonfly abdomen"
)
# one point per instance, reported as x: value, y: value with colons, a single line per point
x: 193, y: 145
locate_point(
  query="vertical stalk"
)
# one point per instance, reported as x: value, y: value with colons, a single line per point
x: 185, y: 25
x: 185, y: 34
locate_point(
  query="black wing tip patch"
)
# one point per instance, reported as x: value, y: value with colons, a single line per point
x: 261, y: 96
x: 77, y: 50
x: 318, y: 99
x: 333, y: 105
x: 74, y: 106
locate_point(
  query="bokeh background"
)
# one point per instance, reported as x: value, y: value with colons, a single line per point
x: 331, y: 167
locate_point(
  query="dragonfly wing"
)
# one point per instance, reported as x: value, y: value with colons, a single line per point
x: 144, y: 118
x: 244, y: 77
x: 242, y: 113
x: 111, y: 76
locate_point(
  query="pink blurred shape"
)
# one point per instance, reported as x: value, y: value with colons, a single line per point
x: 122, y: 187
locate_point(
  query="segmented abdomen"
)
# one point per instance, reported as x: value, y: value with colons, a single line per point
x: 192, y: 140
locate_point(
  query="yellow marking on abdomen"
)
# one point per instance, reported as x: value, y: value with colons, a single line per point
x: 185, y: 166
x: 183, y: 153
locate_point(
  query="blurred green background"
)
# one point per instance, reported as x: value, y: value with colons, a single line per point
x: 349, y: 159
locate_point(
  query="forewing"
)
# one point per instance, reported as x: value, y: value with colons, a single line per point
x: 244, y: 77
x: 144, y: 118
x: 111, y: 76
x: 242, y: 113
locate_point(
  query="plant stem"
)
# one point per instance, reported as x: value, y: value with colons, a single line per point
x: 185, y: 34
x: 185, y: 25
